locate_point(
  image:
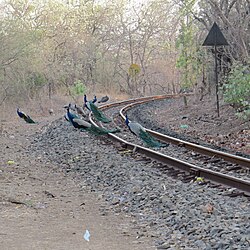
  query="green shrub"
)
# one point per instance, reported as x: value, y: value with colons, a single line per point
x: 36, y: 80
x: 33, y: 83
x: 237, y: 90
x: 78, y: 89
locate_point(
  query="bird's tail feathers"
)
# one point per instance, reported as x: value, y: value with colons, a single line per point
x: 150, y: 140
x: 101, y: 131
x: 98, y: 114
x: 29, y: 120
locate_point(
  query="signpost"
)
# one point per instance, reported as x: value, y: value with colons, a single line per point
x: 215, y: 38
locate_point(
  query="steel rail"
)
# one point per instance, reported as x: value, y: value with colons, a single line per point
x: 184, y: 166
x: 140, y: 100
x: 195, y: 147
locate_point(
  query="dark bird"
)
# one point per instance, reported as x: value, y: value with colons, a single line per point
x: 81, y: 124
x: 141, y: 132
x: 98, y: 114
x: 24, y: 116
x: 70, y: 116
x: 94, y: 99
x: 104, y: 99
x: 86, y: 102
x: 69, y: 107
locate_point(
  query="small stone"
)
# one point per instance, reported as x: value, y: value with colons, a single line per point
x: 200, y: 244
x: 164, y: 246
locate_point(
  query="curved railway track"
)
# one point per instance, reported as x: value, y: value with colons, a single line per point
x: 185, y: 168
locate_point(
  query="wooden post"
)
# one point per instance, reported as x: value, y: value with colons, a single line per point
x: 185, y: 100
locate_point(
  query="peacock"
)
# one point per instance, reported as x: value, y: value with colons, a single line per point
x: 73, y: 115
x: 98, y: 114
x: 24, y: 116
x: 94, y: 99
x: 81, y: 124
x: 104, y: 99
x: 69, y: 116
x: 86, y: 102
x: 141, y: 132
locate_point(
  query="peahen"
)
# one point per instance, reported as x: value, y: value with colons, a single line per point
x: 141, y: 132
x: 98, y: 114
x: 80, y: 111
x: 24, y: 116
x: 81, y: 124
x: 70, y: 106
x: 104, y: 99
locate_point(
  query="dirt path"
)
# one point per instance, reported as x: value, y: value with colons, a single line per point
x: 42, y: 207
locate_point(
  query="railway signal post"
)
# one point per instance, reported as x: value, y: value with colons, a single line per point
x: 215, y: 38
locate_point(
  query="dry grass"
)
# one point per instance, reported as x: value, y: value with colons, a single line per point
x: 40, y: 106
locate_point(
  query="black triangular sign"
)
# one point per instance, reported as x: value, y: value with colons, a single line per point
x: 215, y: 37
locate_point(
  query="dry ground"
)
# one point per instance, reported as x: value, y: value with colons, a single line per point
x: 42, y: 207
x: 199, y: 119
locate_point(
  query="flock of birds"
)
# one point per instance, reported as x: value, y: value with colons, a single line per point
x: 78, y: 117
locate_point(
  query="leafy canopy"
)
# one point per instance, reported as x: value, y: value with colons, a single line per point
x: 237, y: 91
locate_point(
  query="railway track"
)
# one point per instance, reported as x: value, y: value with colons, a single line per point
x: 221, y: 168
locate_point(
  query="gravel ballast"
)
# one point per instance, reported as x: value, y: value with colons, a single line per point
x: 174, y: 214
